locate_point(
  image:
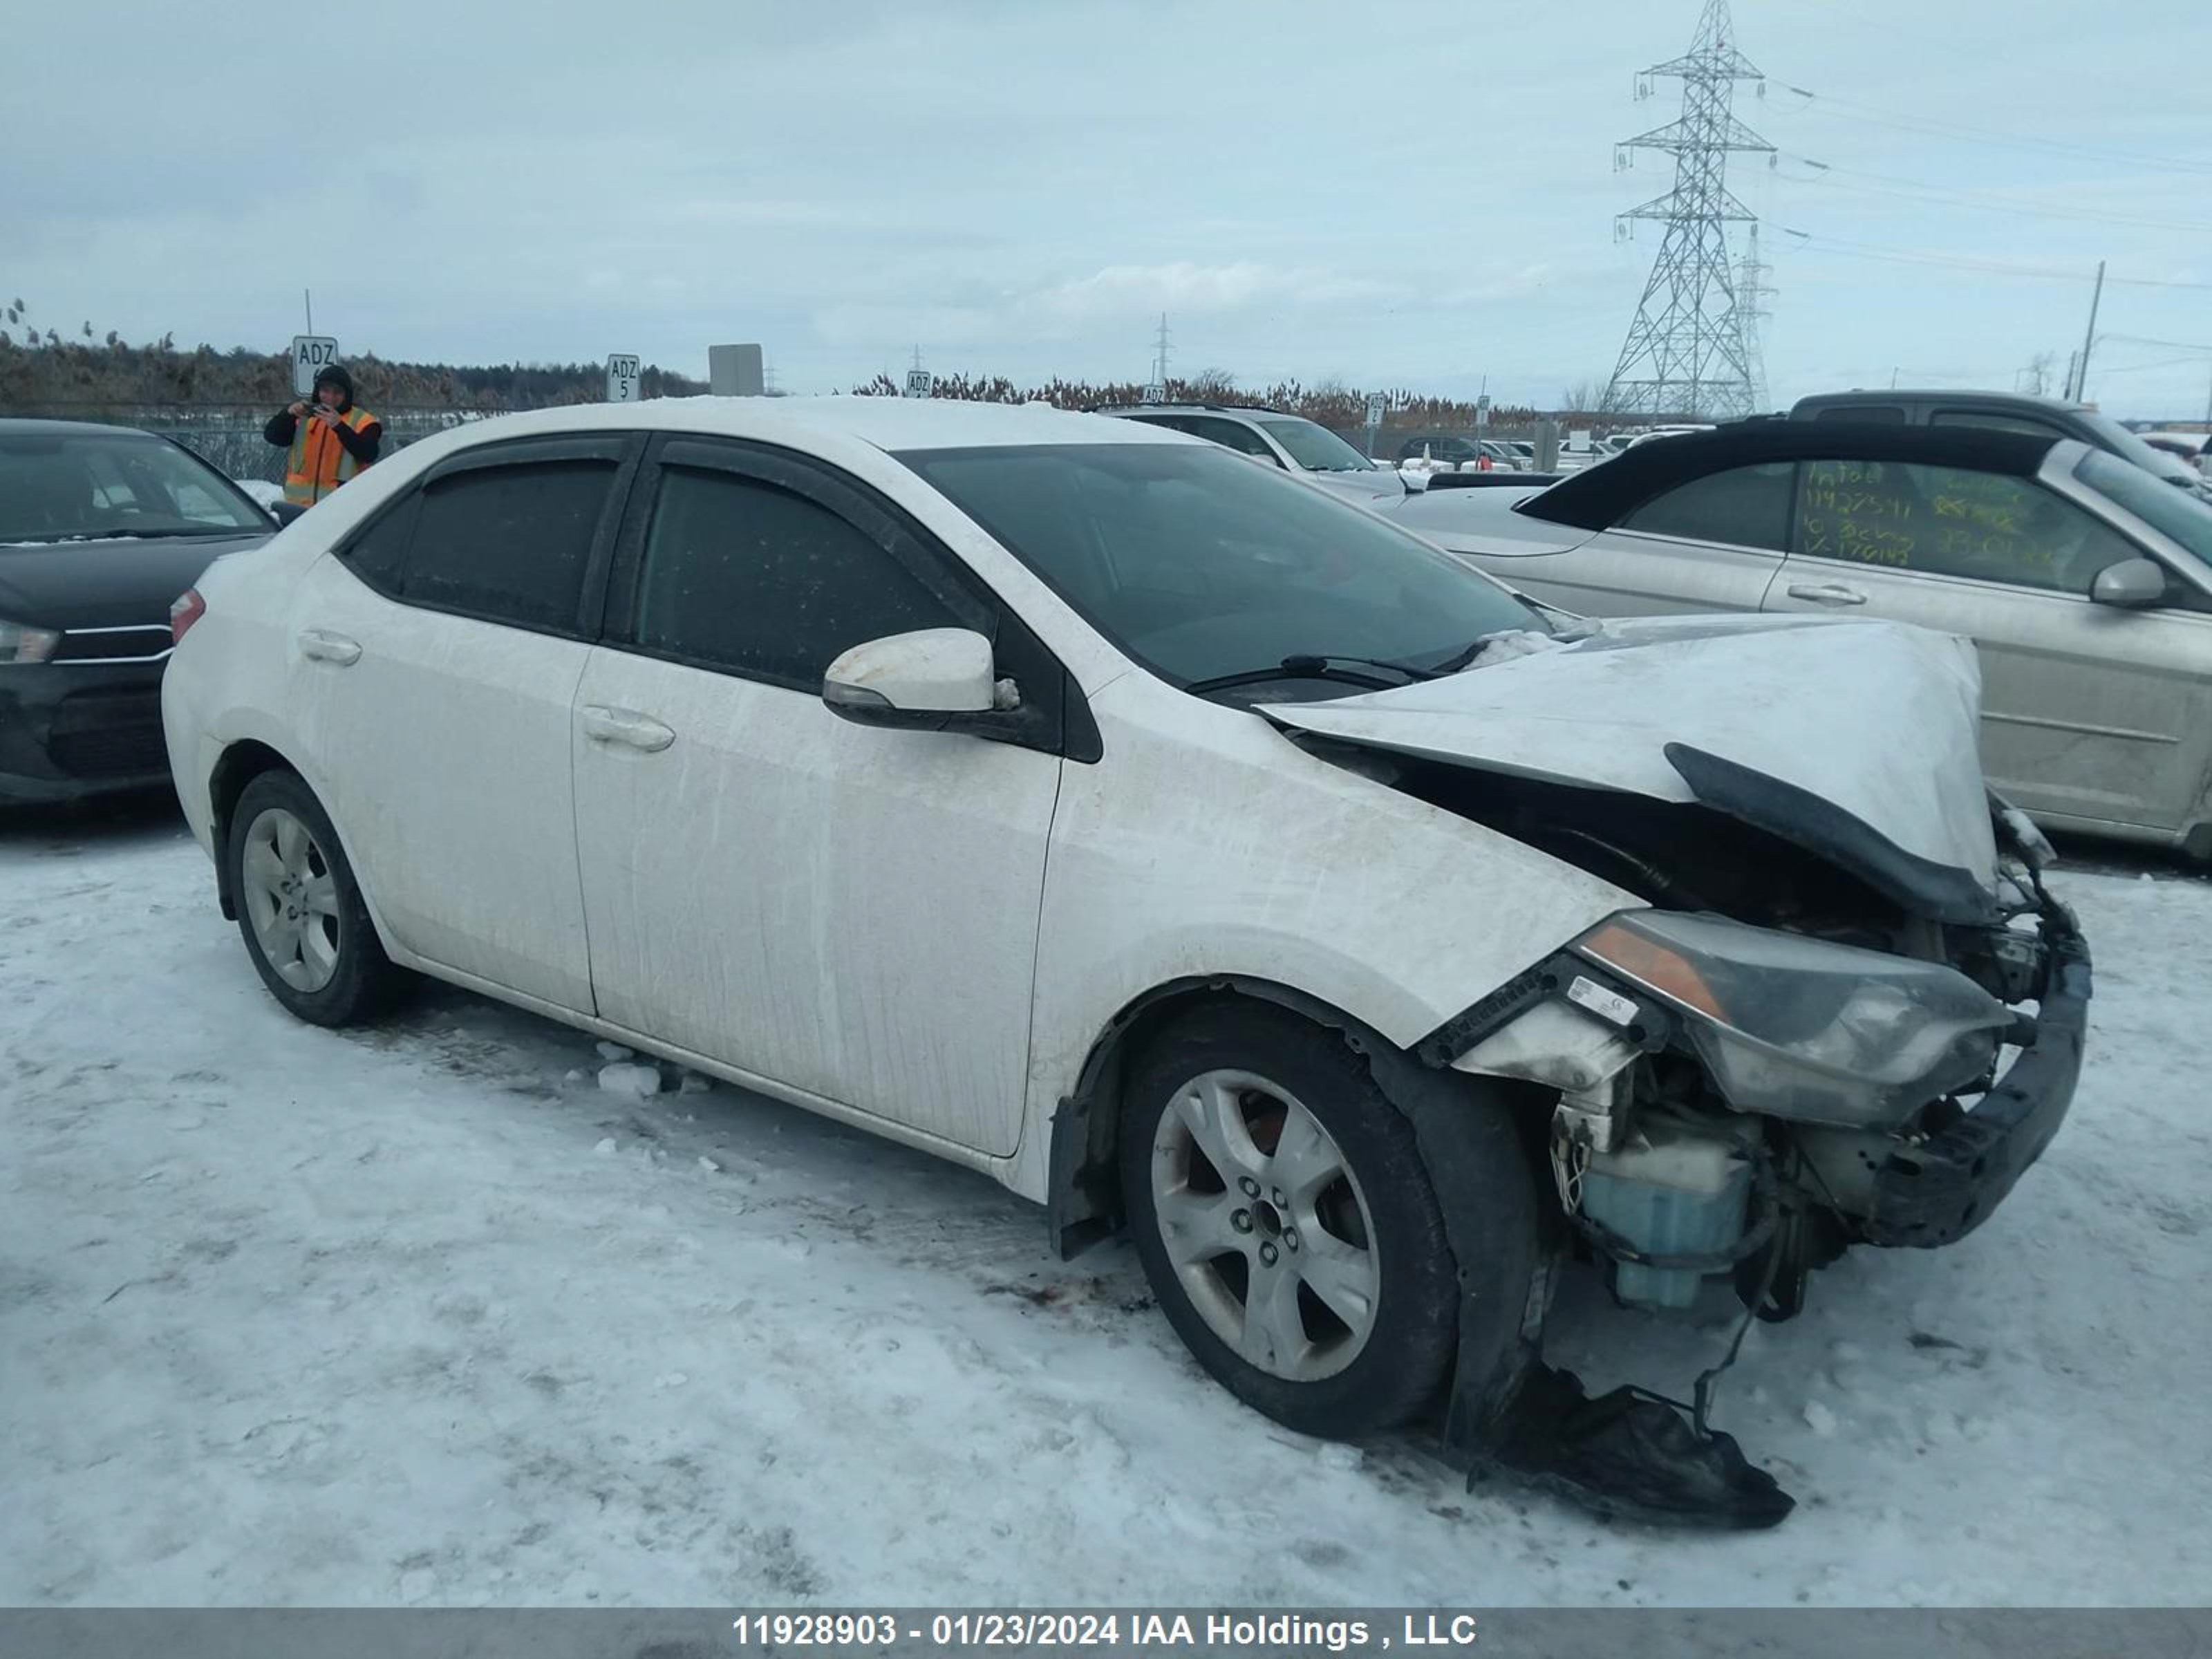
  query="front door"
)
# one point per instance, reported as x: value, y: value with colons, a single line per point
x: 847, y: 911
x: 2089, y: 712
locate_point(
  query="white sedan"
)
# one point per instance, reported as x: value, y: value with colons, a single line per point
x: 1181, y: 846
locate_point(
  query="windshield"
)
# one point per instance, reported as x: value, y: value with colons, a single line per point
x: 1316, y: 447
x: 2122, y: 442
x: 69, y: 486
x: 1198, y: 564
x: 2177, y: 514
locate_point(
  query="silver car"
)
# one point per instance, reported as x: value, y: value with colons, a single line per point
x: 1290, y: 441
x: 2086, y: 582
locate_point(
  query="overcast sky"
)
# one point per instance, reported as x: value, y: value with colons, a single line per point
x: 1418, y: 195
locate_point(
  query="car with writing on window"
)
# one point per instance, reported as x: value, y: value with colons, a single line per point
x: 101, y: 528
x: 2084, y: 580
x: 1186, y: 850
x: 1275, y: 437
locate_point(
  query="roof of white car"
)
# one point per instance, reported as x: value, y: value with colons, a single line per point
x: 889, y: 424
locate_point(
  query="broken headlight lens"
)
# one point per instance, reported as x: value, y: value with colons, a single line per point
x: 1800, y: 1028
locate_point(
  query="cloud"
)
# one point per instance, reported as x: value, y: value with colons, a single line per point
x: 1119, y: 291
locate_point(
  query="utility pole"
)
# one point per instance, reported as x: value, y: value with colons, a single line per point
x: 2082, y: 373
x: 1683, y: 356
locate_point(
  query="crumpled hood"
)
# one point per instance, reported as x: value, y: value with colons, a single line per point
x: 1858, y: 740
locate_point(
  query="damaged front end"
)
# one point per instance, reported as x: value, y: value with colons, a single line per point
x: 1742, y: 1102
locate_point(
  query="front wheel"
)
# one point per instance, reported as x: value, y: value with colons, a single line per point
x: 300, y: 910
x: 1286, y: 1223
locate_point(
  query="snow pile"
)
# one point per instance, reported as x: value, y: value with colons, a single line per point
x: 369, y: 1316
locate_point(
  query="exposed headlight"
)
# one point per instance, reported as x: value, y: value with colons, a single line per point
x: 21, y: 642
x: 1803, y: 1029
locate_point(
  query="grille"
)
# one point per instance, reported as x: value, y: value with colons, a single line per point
x: 105, y: 734
x: 107, y: 644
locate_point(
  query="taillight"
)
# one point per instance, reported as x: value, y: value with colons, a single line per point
x: 188, y: 609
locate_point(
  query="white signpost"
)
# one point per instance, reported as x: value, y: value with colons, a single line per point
x: 1482, y: 410
x: 1155, y: 392
x: 1375, y: 406
x: 311, y: 355
x: 921, y: 383
x: 622, y: 379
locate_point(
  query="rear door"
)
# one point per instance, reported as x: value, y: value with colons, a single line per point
x: 1714, y: 543
x: 2089, y: 712
x: 847, y: 911
x: 433, y: 663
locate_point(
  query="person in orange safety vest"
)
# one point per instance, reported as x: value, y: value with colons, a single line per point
x: 331, y: 438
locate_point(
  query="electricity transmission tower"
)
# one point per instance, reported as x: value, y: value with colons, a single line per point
x: 1752, y: 290
x: 1685, y: 352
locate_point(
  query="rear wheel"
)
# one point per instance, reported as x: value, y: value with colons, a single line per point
x: 300, y: 912
x: 1286, y: 1223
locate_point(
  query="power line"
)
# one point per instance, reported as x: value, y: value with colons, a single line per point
x: 1809, y: 241
x: 1819, y: 103
x: 1909, y: 190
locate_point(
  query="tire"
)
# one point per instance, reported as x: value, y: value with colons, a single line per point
x: 1327, y: 1215
x: 300, y: 910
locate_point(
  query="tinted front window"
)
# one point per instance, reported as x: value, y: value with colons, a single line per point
x: 1949, y: 521
x: 64, y: 486
x: 744, y: 575
x: 1230, y: 435
x: 1198, y: 564
x: 1316, y: 447
x: 510, y: 544
x: 2175, y: 513
x: 1746, y: 507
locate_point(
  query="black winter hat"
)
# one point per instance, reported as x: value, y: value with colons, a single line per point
x: 337, y: 376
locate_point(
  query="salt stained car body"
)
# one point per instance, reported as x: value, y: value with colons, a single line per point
x: 1188, y: 850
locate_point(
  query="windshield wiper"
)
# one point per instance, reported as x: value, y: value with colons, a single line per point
x: 161, y: 535
x: 1317, y: 668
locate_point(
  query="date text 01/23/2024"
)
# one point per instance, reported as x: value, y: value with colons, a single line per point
x: 983, y: 1629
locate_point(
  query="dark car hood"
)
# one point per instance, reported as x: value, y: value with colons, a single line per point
x: 105, y: 584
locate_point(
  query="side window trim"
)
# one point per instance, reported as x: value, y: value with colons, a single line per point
x: 626, y: 449
x: 805, y: 477
x: 1063, y: 724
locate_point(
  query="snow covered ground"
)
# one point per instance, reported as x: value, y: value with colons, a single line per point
x: 427, y: 1315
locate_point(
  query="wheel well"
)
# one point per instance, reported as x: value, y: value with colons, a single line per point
x: 240, y: 764
x: 1084, y: 1202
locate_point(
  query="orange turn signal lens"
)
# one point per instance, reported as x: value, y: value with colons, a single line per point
x: 1648, y: 961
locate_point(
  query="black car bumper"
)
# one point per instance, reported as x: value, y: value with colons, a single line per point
x: 70, y: 730
x: 1940, y: 1190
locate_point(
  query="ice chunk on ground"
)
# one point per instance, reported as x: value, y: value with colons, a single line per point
x: 625, y: 1078
x: 615, y: 1051
x: 605, y: 1148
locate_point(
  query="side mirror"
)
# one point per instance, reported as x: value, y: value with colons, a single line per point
x: 285, y: 511
x: 2132, y: 584
x: 925, y: 681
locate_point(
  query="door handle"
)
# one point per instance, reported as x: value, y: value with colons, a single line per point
x: 1826, y: 593
x: 626, y: 725
x: 326, y: 646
